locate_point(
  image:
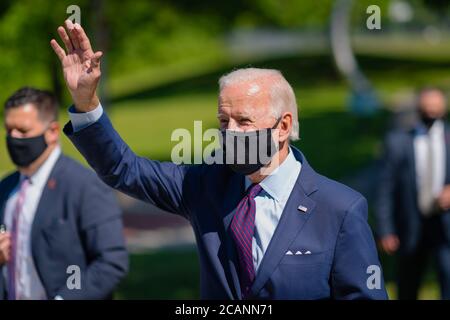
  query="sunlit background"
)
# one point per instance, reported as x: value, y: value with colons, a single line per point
x: 164, y: 57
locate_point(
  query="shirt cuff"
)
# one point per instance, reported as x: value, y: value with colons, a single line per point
x: 81, y: 120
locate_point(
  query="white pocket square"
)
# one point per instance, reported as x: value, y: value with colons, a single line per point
x: 289, y: 253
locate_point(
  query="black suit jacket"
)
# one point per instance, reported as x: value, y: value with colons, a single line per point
x: 77, y: 222
x: 397, y: 211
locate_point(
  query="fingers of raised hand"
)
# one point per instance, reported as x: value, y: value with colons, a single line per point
x: 73, y: 37
x: 65, y: 38
x: 82, y: 38
x: 94, y: 63
x: 58, y: 50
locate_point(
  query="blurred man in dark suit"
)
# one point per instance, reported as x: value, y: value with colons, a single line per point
x: 414, y: 196
x: 61, y: 234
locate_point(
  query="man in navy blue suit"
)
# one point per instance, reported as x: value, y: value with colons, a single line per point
x: 266, y: 229
x: 61, y: 228
x: 413, y: 210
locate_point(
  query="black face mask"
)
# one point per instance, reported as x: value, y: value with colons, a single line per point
x: 427, y: 120
x: 23, y: 151
x: 247, y: 152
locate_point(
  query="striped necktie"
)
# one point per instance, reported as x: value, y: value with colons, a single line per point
x: 242, y: 230
x: 12, y: 264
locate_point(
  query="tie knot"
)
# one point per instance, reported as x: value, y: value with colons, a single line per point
x: 253, y: 190
x: 25, y: 182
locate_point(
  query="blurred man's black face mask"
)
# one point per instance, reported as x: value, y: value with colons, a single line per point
x: 247, y: 152
x: 427, y: 120
x: 23, y: 151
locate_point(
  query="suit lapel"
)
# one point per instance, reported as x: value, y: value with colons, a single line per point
x: 410, y: 154
x: 290, y: 225
x: 225, y: 255
x: 447, y: 152
x: 235, y: 192
x: 49, y: 197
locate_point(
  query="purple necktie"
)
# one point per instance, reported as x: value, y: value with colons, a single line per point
x: 242, y: 229
x: 14, y: 235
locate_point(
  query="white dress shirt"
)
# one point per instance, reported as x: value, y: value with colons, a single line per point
x: 28, y: 283
x: 435, y: 135
x: 270, y: 202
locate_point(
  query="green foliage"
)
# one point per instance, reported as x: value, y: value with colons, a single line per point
x: 153, y: 34
x: 160, y: 35
x: 287, y: 13
x: 26, y: 28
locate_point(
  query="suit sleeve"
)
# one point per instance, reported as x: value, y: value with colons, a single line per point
x: 101, y: 233
x: 356, y: 271
x: 159, y: 183
x: 384, y: 206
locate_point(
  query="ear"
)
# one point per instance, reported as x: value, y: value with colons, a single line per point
x: 285, y: 126
x: 52, y: 134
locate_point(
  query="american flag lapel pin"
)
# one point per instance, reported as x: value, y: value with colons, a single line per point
x: 302, y: 209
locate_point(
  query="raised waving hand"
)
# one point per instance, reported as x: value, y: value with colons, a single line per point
x: 81, y: 65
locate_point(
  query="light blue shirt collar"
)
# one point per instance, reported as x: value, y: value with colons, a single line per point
x: 279, y: 184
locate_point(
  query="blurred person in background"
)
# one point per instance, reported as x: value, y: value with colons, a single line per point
x: 412, y: 209
x: 57, y: 217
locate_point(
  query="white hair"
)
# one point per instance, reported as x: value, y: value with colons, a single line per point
x: 281, y: 93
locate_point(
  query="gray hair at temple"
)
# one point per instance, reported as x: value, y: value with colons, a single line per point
x: 282, y: 95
